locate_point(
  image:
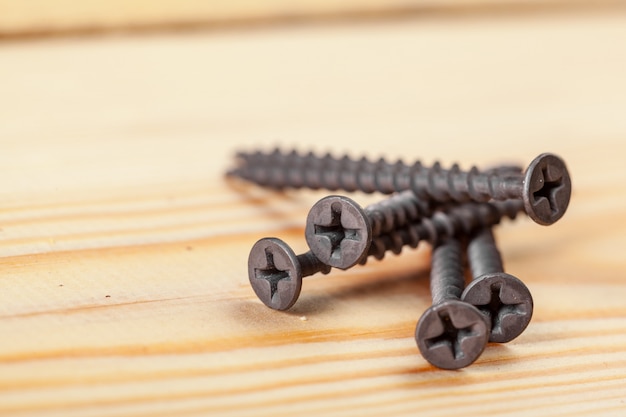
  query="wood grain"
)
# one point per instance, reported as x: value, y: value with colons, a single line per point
x: 123, y: 249
x: 42, y: 18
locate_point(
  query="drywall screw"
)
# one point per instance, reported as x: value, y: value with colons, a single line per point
x: 503, y: 298
x: 275, y: 272
x: 339, y: 232
x: 545, y: 187
x: 459, y: 220
x: 452, y: 333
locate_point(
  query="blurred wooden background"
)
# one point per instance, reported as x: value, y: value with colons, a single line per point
x: 35, y: 18
x: 123, y: 250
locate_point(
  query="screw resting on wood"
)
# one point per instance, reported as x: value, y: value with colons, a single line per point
x: 275, y: 271
x: 545, y: 187
x: 444, y: 207
x: 503, y: 298
x: 339, y: 232
x: 452, y: 333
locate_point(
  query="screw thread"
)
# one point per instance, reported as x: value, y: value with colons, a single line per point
x: 446, y: 276
x: 280, y: 170
x: 483, y: 254
x: 310, y: 264
x: 396, y: 211
x: 456, y: 220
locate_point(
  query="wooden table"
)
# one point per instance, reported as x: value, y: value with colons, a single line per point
x: 124, y: 288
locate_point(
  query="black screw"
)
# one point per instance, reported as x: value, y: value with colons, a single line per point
x: 545, y: 187
x: 503, y: 298
x: 454, y: 221
x: 339, y: 231
x: 452, y: 333
x: 275, y: 272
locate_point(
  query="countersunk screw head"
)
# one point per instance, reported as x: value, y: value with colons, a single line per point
x: 275, y: 273
x: 338, y: 231
x: 504, y: 300
x: 547, y: 189
x: 452, y: 334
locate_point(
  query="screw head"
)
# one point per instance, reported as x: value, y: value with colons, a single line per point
x: 338, y: 231
x: 505, y: 301
x: 452, y: 334
x: 547, y: 189
x: 274, y: 273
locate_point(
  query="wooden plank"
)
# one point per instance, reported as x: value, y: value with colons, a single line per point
x: 123, y: 250
x: 33, y: 18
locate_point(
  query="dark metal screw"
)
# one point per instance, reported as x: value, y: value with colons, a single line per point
x: 339, y: 232
x: 451, y: 334
x: 545, y: 187
x: 275, y: 272
x: 454, y: 221
x: 503, y: 298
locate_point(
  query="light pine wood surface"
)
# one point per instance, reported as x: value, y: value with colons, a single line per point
x: 123, y: 250
x: 35, y: 18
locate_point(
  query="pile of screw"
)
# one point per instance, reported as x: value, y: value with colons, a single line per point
x: 453, y: 210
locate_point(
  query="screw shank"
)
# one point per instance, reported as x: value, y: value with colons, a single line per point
x: 309, y: 264
x: 446, y: 277
x: 483, y: 254
x: 396, y: 211
x: 292, y: 170
x: 462, y: 219
x: 507, y: 186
